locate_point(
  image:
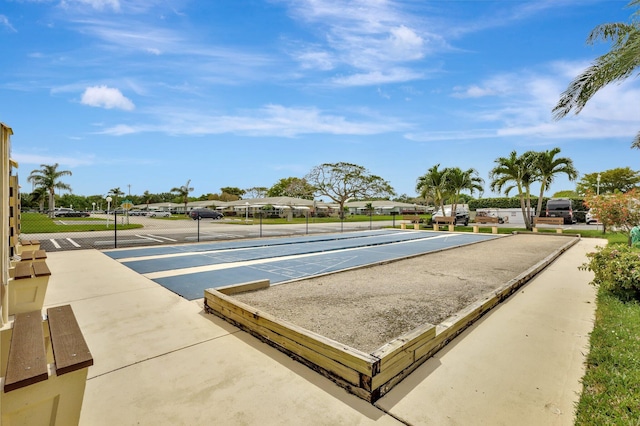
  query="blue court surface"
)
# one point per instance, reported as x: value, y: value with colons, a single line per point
x: 188, y: 270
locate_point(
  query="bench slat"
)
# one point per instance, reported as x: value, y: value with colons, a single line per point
x: 40, y: 269
x: 27, y: 363
x: 70, y: 350
x: 22, y: 271
x: 444, y: 219
x: 549, y: 220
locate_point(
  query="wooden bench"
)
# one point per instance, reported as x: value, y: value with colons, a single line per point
x: 44, y: 383
x: 558, y: 221
x: 32, y: 256
x: 443, y: 220
x: 28, y: 245
x: 28, y: 286
x: 487, y: 219
x: 415, y: 219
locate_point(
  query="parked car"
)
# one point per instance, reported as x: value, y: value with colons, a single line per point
x: 560, y: 207
x: 205, y: 214
x: 591, y: 218
x: 160, y: 214
x: 65, y: 212
x: 138, y: 213
x: 462, y: 214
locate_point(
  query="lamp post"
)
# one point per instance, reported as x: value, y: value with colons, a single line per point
x: 93, y: 209
x: 109, y: 199
x: 598, y: 184
x: 246, y: 217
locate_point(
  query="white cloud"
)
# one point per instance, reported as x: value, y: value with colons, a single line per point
x: 397, y: 75
x: 4, y: 22
x: 518, y: 106
x: 106, y: 97
x: 75, y: 161
x: 95, y: 4
x: 270, y: 120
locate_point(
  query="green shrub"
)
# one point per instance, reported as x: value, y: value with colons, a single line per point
x: 616, y: 269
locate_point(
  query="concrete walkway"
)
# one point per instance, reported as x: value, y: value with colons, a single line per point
x: 160, y: 360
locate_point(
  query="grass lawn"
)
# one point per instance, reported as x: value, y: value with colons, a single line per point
x: 37, y: 223
x: 611, y: 385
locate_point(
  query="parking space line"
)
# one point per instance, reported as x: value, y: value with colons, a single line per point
x: 149, y: 238
x: 73, y: 242
x: 161, y: 237
x: 55, y: 243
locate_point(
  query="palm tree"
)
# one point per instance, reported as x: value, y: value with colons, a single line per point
x: 459, y: 180
x: 433, y: 186
x: 548, y: 167
x: 183, y: 192
x: 115, y: 192
x: 516, y: 172
x: 615, y: 65
x: 48, y: 177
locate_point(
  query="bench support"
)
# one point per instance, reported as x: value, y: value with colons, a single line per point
x: 52, y: 394
x: 476, y: 229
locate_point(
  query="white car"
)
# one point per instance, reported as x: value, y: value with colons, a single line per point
x: 160, y: 214
x: 591, y: 218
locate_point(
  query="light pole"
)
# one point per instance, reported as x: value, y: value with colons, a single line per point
x: 598, y: 184
x: 246, y: 217
x: 108, y: 209
x: 93, y: 205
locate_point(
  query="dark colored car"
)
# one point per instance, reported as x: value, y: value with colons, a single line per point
x: 205, y: 214
x: 71, y: 213
x: 560, y: 207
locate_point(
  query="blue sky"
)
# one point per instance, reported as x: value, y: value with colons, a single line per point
x: 147, y: 94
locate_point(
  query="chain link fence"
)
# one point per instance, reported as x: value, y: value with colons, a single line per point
x: 107, y: 231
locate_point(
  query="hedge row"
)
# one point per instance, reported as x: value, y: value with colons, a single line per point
x: 514, y: 203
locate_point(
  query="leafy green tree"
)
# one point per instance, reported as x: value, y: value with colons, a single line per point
x: 618, y: 211
x: 517, y: 172
x: 343, y: 181
x: 48, y: 177
x: 616, y: 65
x: 232, y: 190
x: 256, y: 192
x: 548, y: 166
x: 292, y: 187
x: 620, y: 179
x: 565, y: 194
x: 433, y: 187
x: 183, y: 192
x: 458, y: 180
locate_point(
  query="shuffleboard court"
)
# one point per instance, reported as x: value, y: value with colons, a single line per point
x: 189, y: 270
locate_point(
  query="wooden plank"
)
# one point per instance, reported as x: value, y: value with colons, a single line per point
x: 40, y: 269
x: 318, y: 359
x: 353, y: 358
x: 39, y: 254
x: 486, y: 219
x: 244, y: 287
x: 404, y: 344
x: 548, y: 220
x: 22, y: 271
x: 70, y: 350
x: 444, y: 219
x: 27, y: 362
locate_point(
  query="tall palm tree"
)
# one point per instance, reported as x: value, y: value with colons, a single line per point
x: 48, y: 177
x: 517, y: 172
x: 433, y: 186
x: 116, y: 192
x: 183, y: 192
x: 548, y: 167
x: 459, y: 180
x: 616, y: 65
